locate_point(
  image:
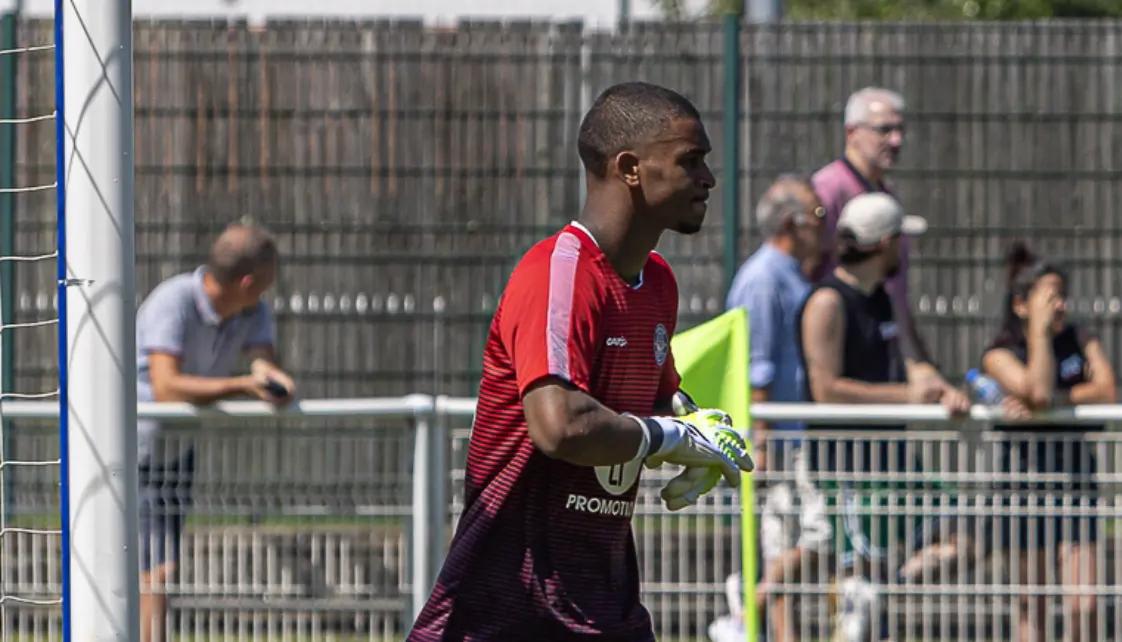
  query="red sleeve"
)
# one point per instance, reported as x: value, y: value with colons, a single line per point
x: 551, y: 316
x: 670, y: 381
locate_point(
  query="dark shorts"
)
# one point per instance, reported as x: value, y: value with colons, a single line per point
x: 1036, y: 514
x: 1044, y: 522
x: 165, y: 496
x: 1024, y: 510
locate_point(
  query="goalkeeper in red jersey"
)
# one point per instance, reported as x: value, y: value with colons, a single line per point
x: 578, y: 393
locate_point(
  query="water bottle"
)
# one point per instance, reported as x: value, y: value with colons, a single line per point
x: 986, y: 390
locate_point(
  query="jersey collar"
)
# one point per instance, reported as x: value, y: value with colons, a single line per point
x: 579, y: 226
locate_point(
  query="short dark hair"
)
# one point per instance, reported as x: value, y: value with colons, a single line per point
x: 626, y: 116
x: 239, y: 251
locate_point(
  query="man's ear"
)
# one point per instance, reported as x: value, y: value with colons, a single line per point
x: 247, y: 281
x: 627, y: 167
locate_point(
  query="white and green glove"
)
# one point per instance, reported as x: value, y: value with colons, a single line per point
x: 704, y: 442
x: 693, y: 482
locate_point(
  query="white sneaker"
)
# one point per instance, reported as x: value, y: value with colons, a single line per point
x: 857, y: 602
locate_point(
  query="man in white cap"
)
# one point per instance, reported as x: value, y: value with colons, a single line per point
x: 848, y: 328
x: 852, y: 354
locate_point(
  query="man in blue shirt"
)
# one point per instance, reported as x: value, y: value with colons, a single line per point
x: 191, y: 333
x: 772, y: 286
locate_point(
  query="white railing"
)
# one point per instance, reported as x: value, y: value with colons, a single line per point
x: 827, y: 413
x: 420, y: 404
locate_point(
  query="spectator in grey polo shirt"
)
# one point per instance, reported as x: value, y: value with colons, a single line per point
x: 192, y: 332
x: 772, y: 287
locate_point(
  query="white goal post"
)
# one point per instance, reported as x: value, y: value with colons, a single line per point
x: 97, y: 305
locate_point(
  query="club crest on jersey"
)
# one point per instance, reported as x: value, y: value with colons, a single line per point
x: 661, y: 344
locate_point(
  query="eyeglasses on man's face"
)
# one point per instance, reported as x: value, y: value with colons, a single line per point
x: 884, y: 129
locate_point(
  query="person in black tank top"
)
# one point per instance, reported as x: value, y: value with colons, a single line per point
x: 1042, y: 360
x: 851, y: 353
x: 847, y: 329
x: 871, y: 345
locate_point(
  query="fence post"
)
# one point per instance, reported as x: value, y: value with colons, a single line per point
x: 730, y: 193
x: 430, y: 506
x: 438, y: 491
x: 422, y: 497
x: 437, y: 453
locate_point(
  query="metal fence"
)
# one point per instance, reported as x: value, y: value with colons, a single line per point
x: 402, y: 165
x: 304, y: 527
x: 977, y: 534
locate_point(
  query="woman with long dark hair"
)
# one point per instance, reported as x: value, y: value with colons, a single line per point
x: 1041, y: 360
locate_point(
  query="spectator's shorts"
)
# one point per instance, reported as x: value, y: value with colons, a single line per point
x: 1035, y: 514
x: 165, y: 496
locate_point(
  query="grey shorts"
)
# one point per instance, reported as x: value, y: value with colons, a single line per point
x: 165, y: 497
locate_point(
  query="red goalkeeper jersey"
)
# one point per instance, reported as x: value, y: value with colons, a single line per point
x: 544, y: 549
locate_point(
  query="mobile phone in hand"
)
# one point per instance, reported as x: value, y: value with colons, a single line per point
x: 276, y: 388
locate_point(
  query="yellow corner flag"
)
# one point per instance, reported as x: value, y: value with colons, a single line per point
x: 713, y: 361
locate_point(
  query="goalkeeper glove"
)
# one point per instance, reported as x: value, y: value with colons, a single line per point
x: 678, y: 441
x: 695, y: 481
x: 688, y: 486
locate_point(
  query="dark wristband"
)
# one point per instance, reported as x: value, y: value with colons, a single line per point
x: 656, y: 433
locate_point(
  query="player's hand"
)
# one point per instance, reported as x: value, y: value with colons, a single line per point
x: 688, y: 486
x: 703, y: 439
x: 693, y: 482
x: 717, y: 426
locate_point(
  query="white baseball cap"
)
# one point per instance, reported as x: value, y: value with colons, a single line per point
x: 870, y: 217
